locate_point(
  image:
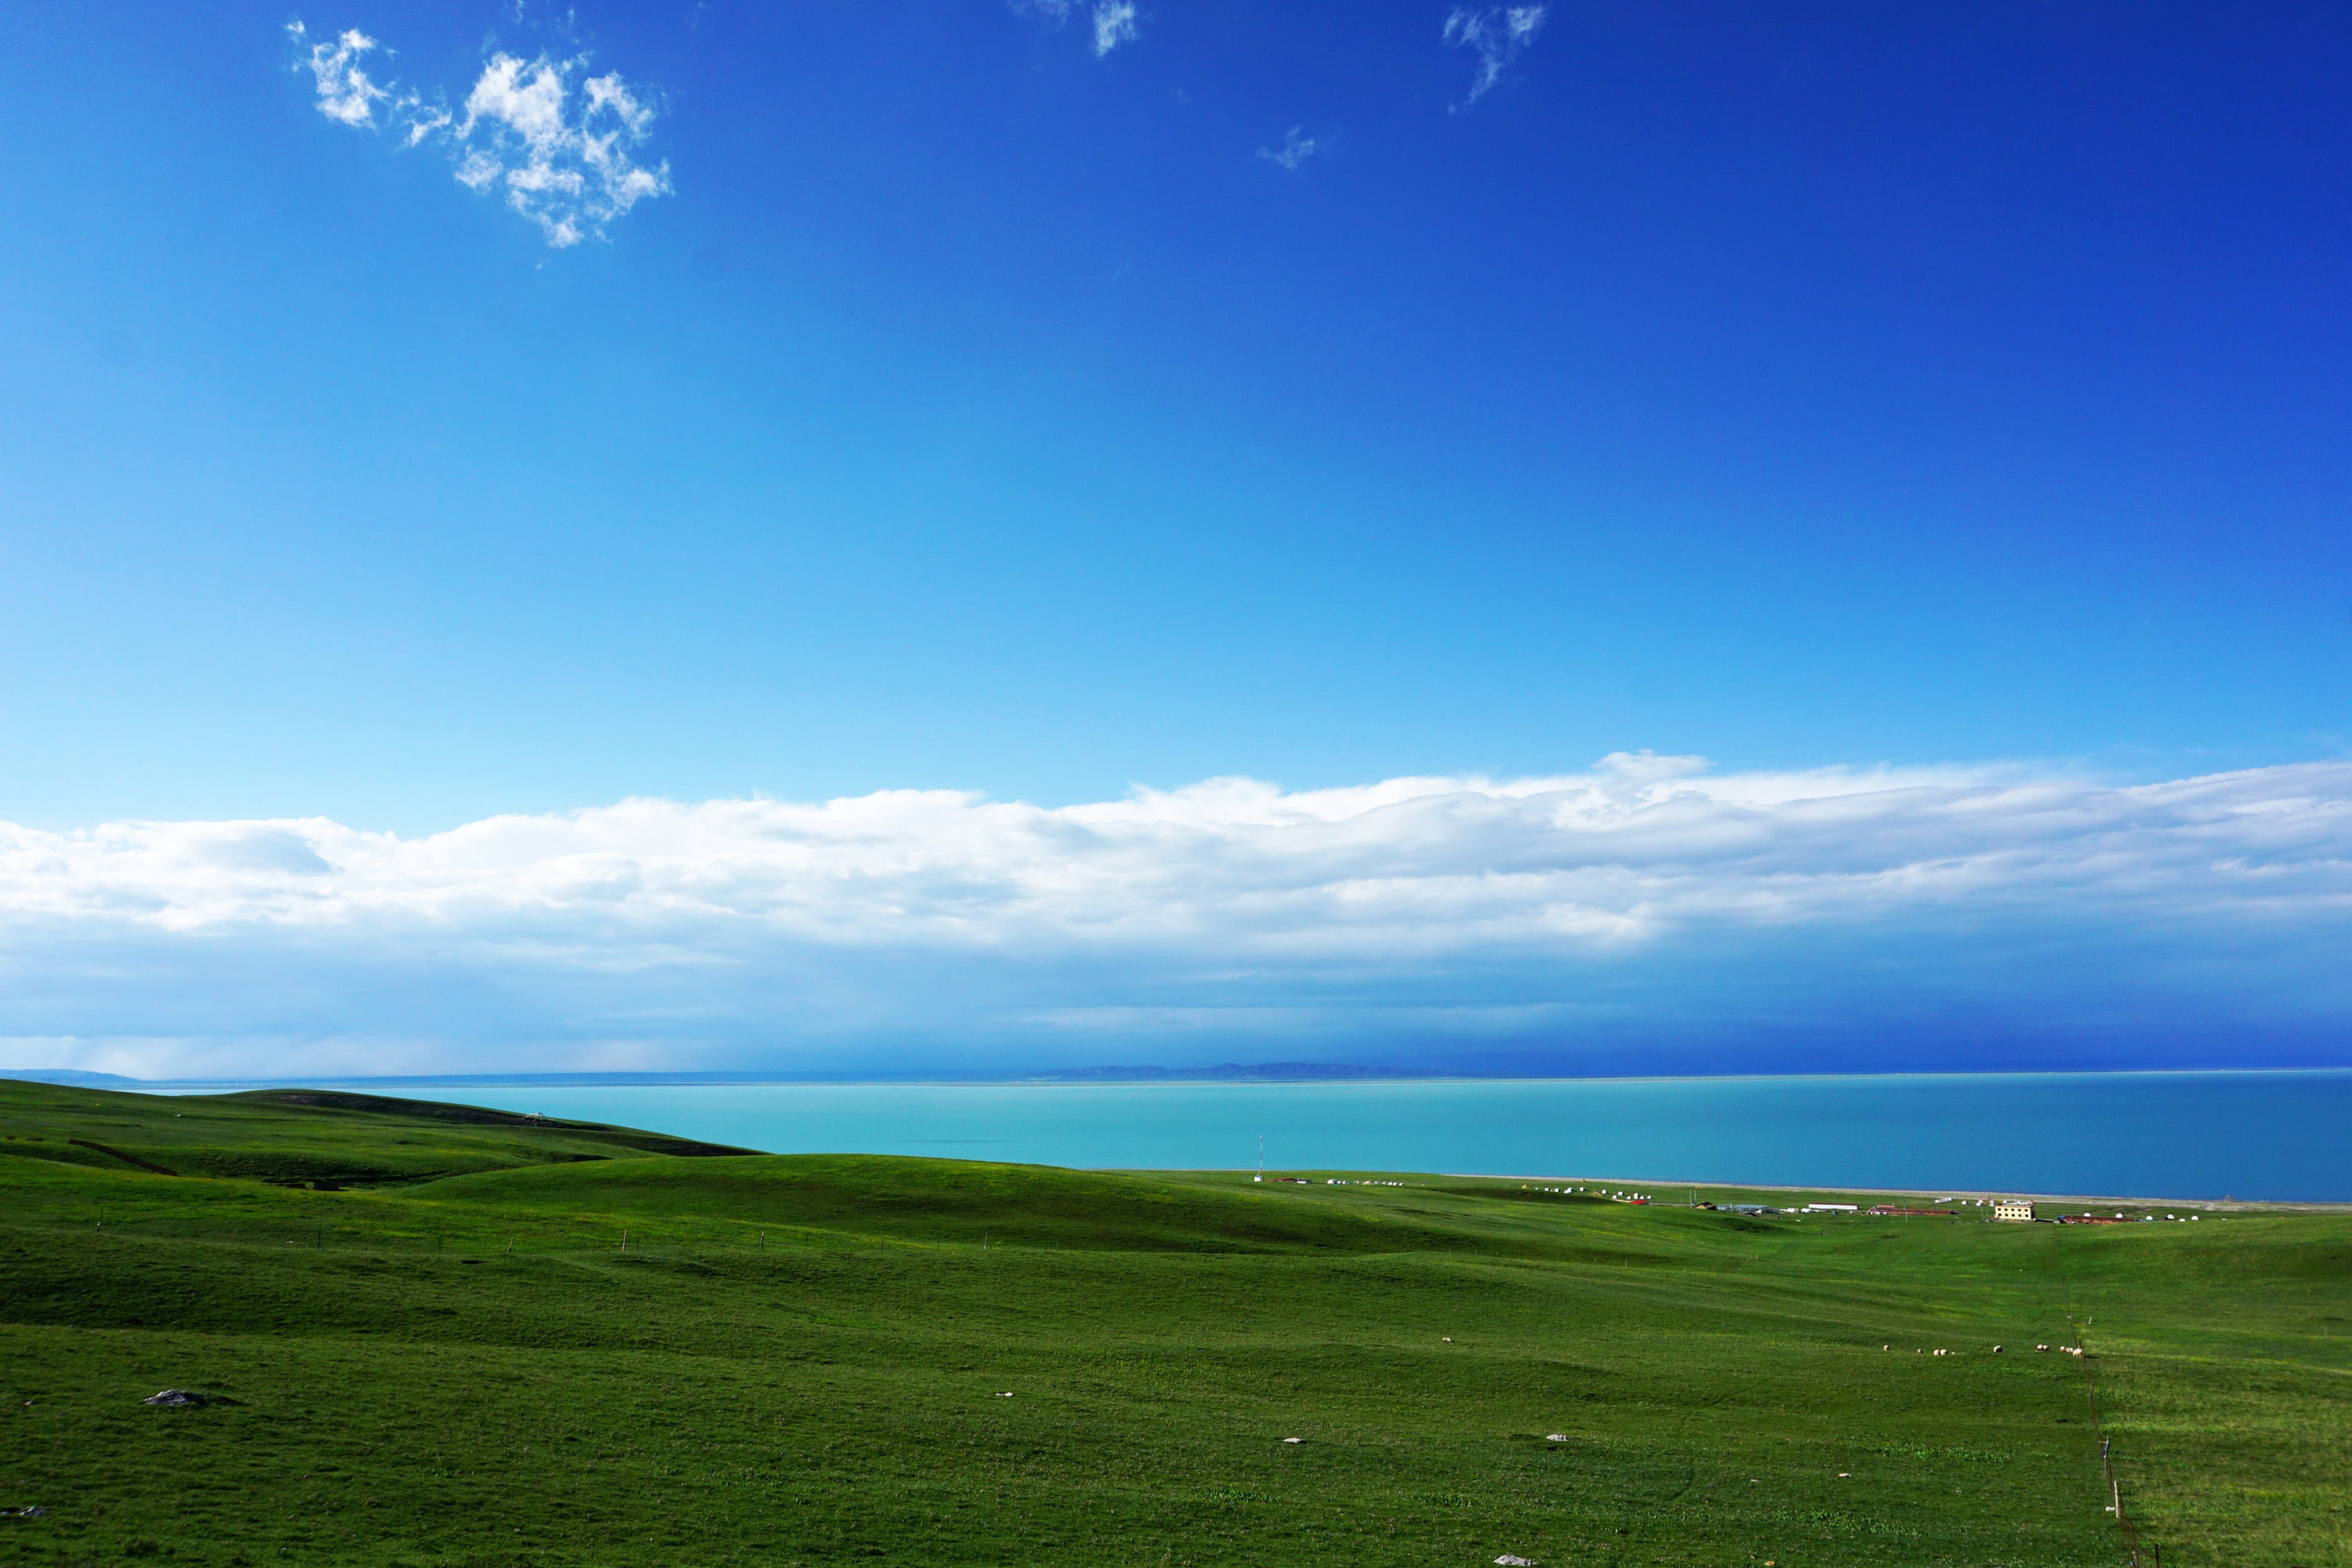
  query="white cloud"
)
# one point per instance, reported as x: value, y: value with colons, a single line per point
x: 1114, y: 25
x: 566, y: 162
x: 561, y: 147
x: 1633, y: 891
x: 1498, y: 34
x: 345, y: 93
x: 1295, y: 148
x: 1111, y: 22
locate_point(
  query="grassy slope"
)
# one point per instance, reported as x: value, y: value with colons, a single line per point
x: 798, y: 1360
x: 306, y: 1135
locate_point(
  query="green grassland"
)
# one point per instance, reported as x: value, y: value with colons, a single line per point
x: 435, y: 1335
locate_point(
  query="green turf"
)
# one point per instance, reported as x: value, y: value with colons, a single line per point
x: 454, y: 1359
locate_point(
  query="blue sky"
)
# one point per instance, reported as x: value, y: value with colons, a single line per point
x: 1318, y: 394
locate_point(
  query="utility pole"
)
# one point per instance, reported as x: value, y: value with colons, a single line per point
x: 1261, y: 1159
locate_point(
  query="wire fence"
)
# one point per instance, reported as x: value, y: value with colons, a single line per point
x: 2123, y: 1522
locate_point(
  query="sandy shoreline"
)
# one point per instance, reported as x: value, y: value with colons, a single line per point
x: 1665, y: 1188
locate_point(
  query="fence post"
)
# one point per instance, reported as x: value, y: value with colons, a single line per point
x: 2123, y: 1525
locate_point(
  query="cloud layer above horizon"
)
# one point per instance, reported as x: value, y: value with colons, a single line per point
x: 1645, y: 913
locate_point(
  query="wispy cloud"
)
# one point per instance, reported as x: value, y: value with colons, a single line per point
x: 345, y: 92
x: 1110, y: 22
x: 561, y: 147
x: 1295, y: 148
x: 1498, y: 34
x: 1114, y: 25
x: 1648, y: 893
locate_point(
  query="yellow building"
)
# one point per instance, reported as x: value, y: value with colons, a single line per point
x: 2012, y: 1209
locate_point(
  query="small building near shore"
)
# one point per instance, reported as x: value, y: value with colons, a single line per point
x: 2016, y: 1209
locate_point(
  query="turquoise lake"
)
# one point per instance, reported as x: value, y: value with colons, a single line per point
x: 2277, y: 1135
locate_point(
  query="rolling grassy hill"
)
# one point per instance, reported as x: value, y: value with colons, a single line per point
x: 437, y: 1335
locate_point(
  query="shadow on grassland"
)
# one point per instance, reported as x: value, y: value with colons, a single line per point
x: 953, y: 1201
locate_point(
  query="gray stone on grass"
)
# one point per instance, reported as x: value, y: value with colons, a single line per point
x: 176, y: 1396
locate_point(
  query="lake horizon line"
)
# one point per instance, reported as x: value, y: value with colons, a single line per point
x: 1179, y: 1077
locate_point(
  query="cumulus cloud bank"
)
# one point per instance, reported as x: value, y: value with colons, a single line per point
x: 562, y: 147
x: 1639, y: 897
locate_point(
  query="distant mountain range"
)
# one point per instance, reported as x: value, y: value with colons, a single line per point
x: 1239, y: 1072
x: 71, y: 1076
